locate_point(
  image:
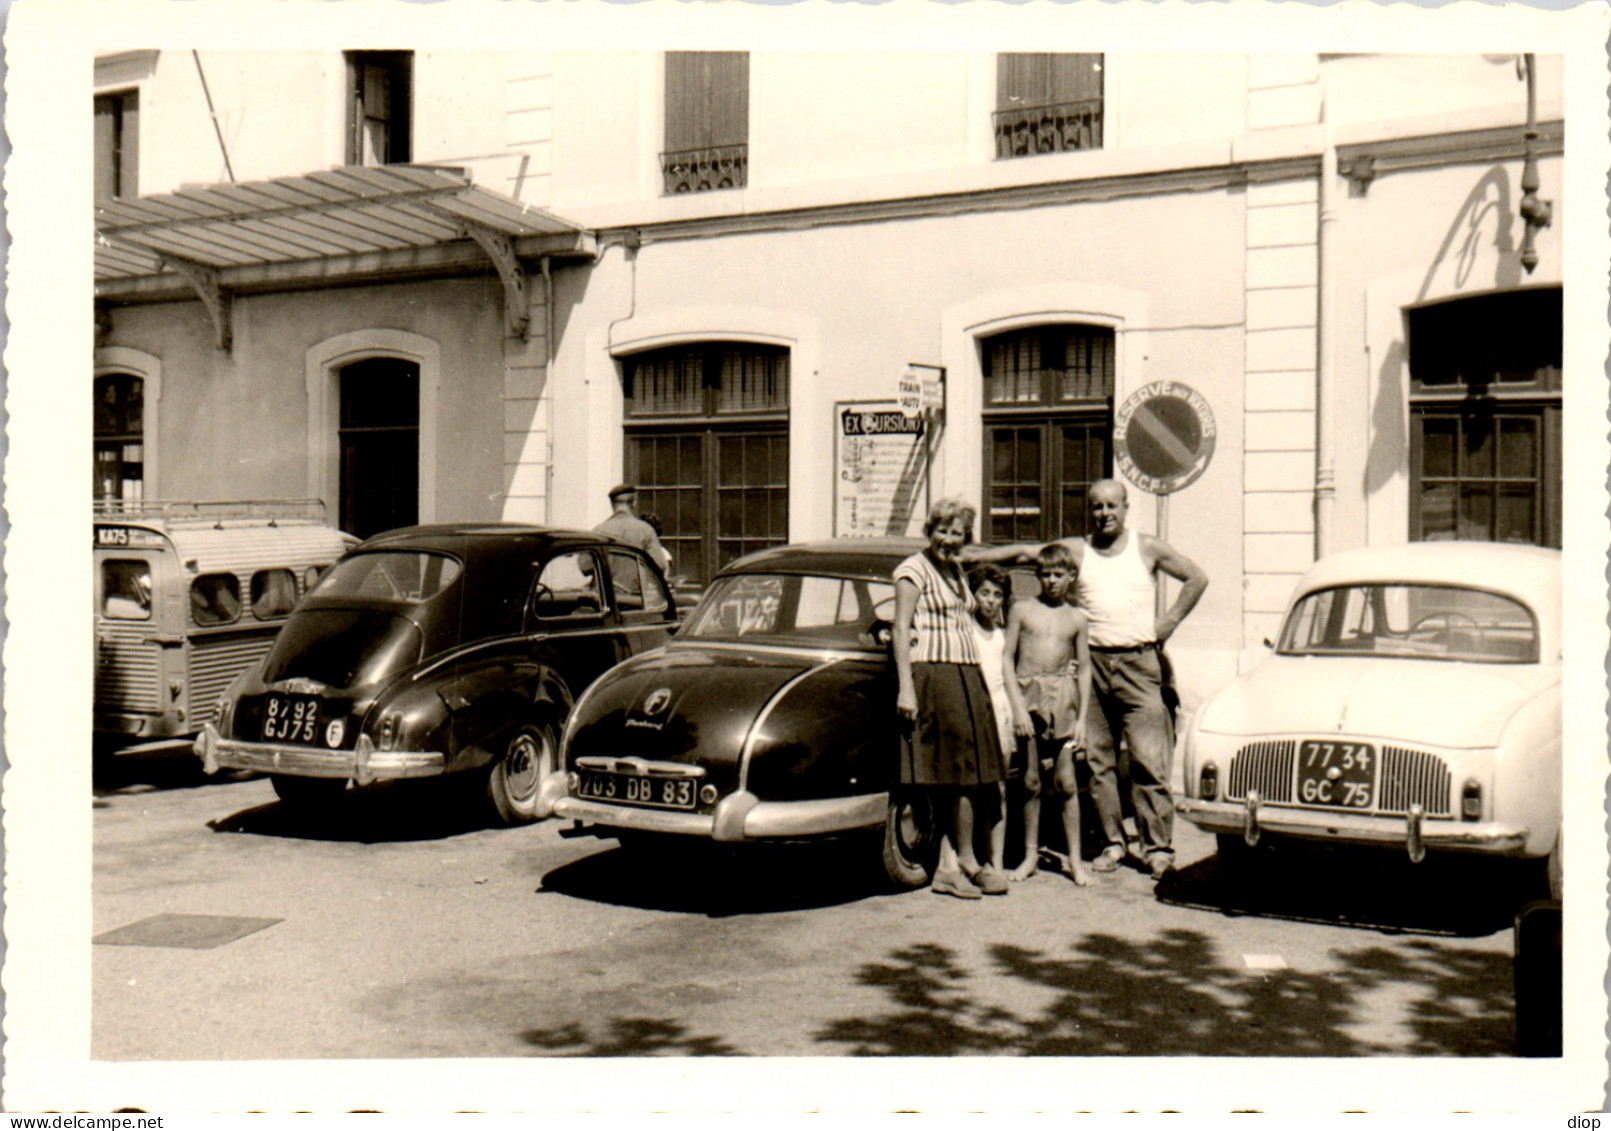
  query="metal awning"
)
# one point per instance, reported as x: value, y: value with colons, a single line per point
x: 340, y: 212
x: 339, y: 225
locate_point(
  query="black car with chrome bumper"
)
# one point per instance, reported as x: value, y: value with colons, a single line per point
x: 770, y: 716
x: 440, y: 650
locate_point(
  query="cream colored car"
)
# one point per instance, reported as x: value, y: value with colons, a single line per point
x: 1413, y: 699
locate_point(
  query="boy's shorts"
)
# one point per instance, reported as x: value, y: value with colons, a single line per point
x: 1052, y: 702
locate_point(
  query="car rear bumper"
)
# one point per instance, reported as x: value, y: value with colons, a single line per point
x: 1415, y: 833
x: 737, y: 817
x: 364, y: 764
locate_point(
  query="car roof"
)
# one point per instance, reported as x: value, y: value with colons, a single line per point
x: 454, y: 536
x: 1531, y: 574
x: 840, y: 557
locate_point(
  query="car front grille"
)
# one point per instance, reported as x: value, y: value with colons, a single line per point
x: 1408, y: 777
x: 1404, y: 777
x: 1265, y: 767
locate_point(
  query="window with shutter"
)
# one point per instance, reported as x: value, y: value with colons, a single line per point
x: 707, y: 120
x: 380, y: 100
x: 1485, y: 418
x: 1048, y: 103
x: 117, y: 145
x: 707, y: 444
x: 1048, y: 428
x: 119, y: 424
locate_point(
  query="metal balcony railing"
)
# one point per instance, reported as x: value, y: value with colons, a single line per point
x: 1027, y: 130
x: 703, y: 170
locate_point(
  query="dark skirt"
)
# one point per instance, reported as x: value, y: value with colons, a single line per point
x: 954, y: 740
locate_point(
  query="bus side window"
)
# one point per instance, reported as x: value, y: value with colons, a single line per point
x: 273, y: 593
x: 125, y: 589
x: 215, y: 598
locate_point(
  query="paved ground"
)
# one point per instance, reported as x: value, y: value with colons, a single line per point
x: 402, y: 927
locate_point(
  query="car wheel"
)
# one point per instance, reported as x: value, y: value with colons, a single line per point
x: 529, y: 757
x: 910, y: 839
x: 1553, y: 870
x: 307, y: 793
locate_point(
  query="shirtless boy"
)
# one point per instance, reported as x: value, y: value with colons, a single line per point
x: 1047, y: 643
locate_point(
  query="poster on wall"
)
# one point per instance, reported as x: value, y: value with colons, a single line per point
x: 880, y: 469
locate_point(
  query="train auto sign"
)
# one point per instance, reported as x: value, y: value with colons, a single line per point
x: 1163, y: 436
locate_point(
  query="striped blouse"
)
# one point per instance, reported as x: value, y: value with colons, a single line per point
x: 942, y: 623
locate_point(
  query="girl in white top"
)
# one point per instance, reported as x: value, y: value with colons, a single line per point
x: 992, y: 593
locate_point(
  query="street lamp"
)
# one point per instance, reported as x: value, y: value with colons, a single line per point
x: 1535, y: 213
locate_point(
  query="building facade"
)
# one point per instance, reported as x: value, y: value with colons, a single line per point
x: 460, y: 286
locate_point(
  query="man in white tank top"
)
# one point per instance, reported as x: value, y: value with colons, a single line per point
x: 1117, y: 587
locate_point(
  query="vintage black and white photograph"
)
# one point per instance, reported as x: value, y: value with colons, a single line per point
x: 803, y: 557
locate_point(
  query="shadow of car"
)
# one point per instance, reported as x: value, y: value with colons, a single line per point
x: 436, y: 650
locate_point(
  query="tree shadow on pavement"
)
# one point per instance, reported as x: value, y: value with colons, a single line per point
x: 628, y: 1036
x: 1442, y: 895
x: 701, y: 878
x: 1172, y: 996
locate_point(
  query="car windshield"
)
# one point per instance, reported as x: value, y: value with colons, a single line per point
x: 404, y: 576
x: 804, y: 609
x: 1424, y: 622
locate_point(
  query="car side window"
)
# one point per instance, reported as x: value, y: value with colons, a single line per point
x: 126, y: 589
x: 568, y: 586
x: 215, y: 598
x: 273, y: 593
x: 637, y: 588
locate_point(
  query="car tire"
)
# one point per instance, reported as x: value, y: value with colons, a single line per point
x: 1555, y: 871
x: 307, y: 793
x: 530, y: 755
x: 911, y: 841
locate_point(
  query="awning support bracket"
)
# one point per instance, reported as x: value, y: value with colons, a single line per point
x: 217, y: 298
x: 516, y: 289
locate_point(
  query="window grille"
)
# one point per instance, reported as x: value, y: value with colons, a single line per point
x: 707, y: 121
x: 1048, y: 103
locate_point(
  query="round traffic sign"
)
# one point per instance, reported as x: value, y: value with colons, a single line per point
x: 1163, y: 436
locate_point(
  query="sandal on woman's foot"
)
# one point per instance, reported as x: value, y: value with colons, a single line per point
x: 954, y: 883
x: 992, y: 882
x: 1109, y: 859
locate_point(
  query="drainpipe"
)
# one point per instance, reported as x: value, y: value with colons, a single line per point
x: 545, y: 264
x: 1326, y: 334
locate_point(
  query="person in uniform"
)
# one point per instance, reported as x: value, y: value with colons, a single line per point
x: 625, y: 525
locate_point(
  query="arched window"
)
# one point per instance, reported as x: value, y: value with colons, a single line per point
x: 707, y: 443
x: 1048, y: 428
x: 1485, y: 418
x: 379, y: 436
x: 119, y: 438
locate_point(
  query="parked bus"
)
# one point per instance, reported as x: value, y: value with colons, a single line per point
x: 188, y: 595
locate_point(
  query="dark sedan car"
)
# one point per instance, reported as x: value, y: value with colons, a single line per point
x: 440, y: 650
x: 771, y: 716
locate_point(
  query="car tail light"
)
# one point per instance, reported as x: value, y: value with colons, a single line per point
x: 389, y: 726
x: 573, y: 782
x: 707, y: 794
x: 1208, y: 782
x: 1471, y: 800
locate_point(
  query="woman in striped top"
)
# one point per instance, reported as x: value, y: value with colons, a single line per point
x: 950, y: 743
